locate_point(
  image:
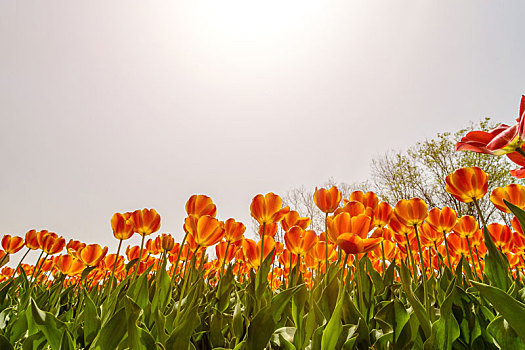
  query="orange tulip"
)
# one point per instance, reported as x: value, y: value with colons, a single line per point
x: 109, y: 262
x: 222, y: 254
x: 53, y: 244
x: 268, y: 209
x: 369, y: 199
x: 354, y: 244
x: 512, y: 193
x: 457, y: 245
x: 133, y: 253
x: 69, y: 265
x: 466, y: 226
x: 145, y: 221
x: 205, y: 231
x: 152, y: 247
x: 400, y: 228
x: 252, y: 250
x: 92, y: 254
x: 74, y: 246
x: 382, y: 214
x: 269, y: 229
x: 318, y: 252
x: 353, y: 208
x: 429, y: 235
x: 165, y: 242
x: 293, y: 219
x: 122, y: 225
x: 233, y: 230
x: 442, y: 220
x: 31, y: 240
x: 12, y: 244
x: 502, y: 236
x: 327, y: 200
x: 411, y: 212
x: 299, y: 241
x: 285, y: 257
x: 343, y: 223
x: 516, y: 225
x: 467, y: 184
x: 200, y: 205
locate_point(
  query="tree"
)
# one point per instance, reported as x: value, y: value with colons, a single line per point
x: 421, y: 171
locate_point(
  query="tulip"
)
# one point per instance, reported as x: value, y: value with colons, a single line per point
x: 122, y: 225
x: 69, y: 265
x: 512, y: 193
x: 205, y: 231
x: 12, y: 244
x: 200, y: 205
x: 299, y: 241
x: 233, y: 231
x: 382, y: 214
x: 293, y: 219
x: 327, y: 200
x: 267, y: 209
x: 467, y: 184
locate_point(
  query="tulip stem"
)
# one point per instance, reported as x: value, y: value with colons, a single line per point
x: 224, y: 260
x: 359, y: 286
x: 262, y: 244
x: 448, y: 254
x: 38, y: 271
x: 472, y: 258
x: 36, y: 266
x: 410, y: 256
x: 114, y: 267
x: 175, y: 274
x: 326, y: 244
x: 384, y: 259
x: 423, y: 270
x: 140, y: 257
x: 20, y: 262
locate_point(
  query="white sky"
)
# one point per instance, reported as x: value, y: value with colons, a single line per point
x: 120, y: 105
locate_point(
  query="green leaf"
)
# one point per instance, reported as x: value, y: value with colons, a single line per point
x: 446, y: 329
x: 112, y: 334
x: 393, y: 317
x: 138, y: 337
x: 180, y: 337
x: 418, y: 307
x: 67, y: 342
x: 91, y: 320
x: 49, y: 325
x: 334, y: 327
x: 139, y: 291
x: 5, y: 344
x: 505, y: 336
x: 511, y: 309
x: 263, y: 324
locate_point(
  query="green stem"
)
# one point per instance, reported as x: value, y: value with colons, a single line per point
x: 384, y: 259
x: 411, y: 257
x: 262, y: 244
x: 448, y: 254
x: 326, y: 244
x: 423, y: 270
x: 20, y: 262
x: 472, y: 259
x: 224, y: 260
x: 114, y: 267
x: 140, y: 257
x: 36, y: 266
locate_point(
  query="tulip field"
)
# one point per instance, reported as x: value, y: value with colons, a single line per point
x: 381, y: 275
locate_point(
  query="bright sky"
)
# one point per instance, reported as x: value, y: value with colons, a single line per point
x: 113, y: 106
